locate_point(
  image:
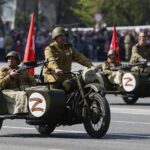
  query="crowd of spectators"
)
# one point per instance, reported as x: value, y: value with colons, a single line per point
x: 93, y: 44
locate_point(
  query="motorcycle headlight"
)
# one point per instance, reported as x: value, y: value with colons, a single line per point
x: 89, y: 75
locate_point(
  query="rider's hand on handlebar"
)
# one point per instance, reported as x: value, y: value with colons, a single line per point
x: 58, y: 71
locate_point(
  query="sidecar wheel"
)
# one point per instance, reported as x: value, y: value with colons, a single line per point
x: 97, y: 120
x: 45, y: 129
x: 130, y: 100
x: 1, y: 123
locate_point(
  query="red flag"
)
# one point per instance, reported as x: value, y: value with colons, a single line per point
x: 114, y: 44
x: 29, y: 54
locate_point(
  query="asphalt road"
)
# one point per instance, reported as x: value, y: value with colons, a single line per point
x: 129, y: 130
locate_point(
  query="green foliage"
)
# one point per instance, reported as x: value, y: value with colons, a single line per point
x: 86, y: 10
x: 120, y: 12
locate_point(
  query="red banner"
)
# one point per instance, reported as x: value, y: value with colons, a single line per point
x: 29, y: 54
x: 115, y: 44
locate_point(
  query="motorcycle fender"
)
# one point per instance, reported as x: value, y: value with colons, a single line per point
x: 95, y: 87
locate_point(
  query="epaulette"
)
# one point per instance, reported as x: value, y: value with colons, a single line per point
x: 51, y: 46
x: 137, y: 45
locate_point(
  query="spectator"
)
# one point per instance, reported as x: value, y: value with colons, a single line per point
x: 2, y: 51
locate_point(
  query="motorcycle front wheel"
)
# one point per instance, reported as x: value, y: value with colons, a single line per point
x: 97, y: 120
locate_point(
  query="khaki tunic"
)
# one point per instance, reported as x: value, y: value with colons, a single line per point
x: 13, y: 90
x: 140, y: 53
x: 62, y: 58
x: 113, y: 76
x: 107, y: 67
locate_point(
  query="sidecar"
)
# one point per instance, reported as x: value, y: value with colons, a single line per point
x: 45, y: 106
x: 134, y: 86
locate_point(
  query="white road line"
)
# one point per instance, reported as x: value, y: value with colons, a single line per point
x: 130, y: 111
x: 132, y: 122
x: 76, y: 131
x: 22, y: 128
x: 72, y: 131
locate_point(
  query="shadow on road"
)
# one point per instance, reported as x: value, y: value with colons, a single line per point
x: 116, y: 136
x: 127, y: 136
x: 53, y: 135
x: 123, y: 104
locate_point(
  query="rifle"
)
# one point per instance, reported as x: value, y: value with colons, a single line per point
x: 33, y: 64
x: 129, y: 66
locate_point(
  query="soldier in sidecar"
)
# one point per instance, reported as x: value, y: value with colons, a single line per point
x: 108, y: 72
x: 13, y: 83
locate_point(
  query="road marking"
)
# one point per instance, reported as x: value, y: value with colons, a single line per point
x: 22, y: 128
x: 132, y: 122
x: 111, y: 134
x: 130, y: 111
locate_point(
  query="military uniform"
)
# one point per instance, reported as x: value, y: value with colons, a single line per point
x: 113, y: 76
x: 61, y: 57
x: 13, y: 90
x: 127, y: 46
x: 140, y: 53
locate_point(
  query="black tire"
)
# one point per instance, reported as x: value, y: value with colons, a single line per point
x: 1, y: 123
x: 97, y: 120
x: 130, y: 100
x: 45, y: 129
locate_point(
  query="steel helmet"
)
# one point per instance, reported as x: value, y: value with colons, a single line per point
x: 111, y: 52
x: 141, y: 34
x: 58, y: 31
x: 13, y: 54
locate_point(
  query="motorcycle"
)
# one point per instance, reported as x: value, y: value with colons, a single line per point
x: 83, y: 103
x: 134, y: 84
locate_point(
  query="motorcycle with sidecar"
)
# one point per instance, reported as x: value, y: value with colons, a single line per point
x: 135, y: 85
x: 49, y: 108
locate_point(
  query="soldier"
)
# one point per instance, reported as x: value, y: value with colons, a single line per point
x: 62, y: 54
x: 140, y: 52
x: 128, y: 42
x: 13, y: 83
x: 109, y: 66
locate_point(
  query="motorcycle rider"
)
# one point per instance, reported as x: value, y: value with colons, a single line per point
x: 13, y: 83
x: 140, y: 52
x: 62, y: 54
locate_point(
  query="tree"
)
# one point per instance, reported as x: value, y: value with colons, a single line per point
x: 86, y: 10
x: 121, y: 12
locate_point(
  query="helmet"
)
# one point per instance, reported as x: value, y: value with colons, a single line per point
x: 111, y: 52
x: 58, y: 31
x: 141, y: 34
x: 14, y: 54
